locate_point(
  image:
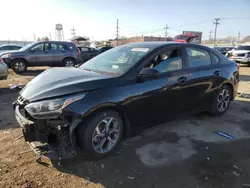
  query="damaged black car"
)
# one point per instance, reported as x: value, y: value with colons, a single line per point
x: 93, y: 107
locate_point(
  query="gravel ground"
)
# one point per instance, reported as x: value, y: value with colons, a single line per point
x: 183, y: 153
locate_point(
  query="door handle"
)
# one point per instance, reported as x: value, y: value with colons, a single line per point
x: 217, y: 73
x: 182, y: 79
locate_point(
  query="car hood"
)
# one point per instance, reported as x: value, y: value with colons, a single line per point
x: 7, y: 51
x: 63, y: 81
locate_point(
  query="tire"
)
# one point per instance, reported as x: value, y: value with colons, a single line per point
x: 19, y: 66
x: 69, y: 62
x: 99, y: 142
x: 222, y: 100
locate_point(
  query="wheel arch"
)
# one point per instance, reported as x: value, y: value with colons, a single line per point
x: 20, y: 58
x: 69, y: 57
x: 230, y: 85
x: 108, y: 106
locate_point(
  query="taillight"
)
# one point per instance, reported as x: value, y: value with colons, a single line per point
x: 79, y: 52
x: 1, y: 60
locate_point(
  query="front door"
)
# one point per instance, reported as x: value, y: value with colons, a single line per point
x: 161, y: 98
x: 40, y: 55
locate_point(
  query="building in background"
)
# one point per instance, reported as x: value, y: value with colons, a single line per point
x: 16, y: 42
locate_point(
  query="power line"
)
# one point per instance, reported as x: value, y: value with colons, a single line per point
x: 166, y: 30
x: 210, y: 35
x: 73, y: 31
x: 117, y: 31
x: 238, y: 36
x: 215, y: 29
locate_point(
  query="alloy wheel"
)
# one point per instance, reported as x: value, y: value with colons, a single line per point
x: 223, y: 100
x: 19, y: 66
x: 69, y: 63
x: 106, y: 135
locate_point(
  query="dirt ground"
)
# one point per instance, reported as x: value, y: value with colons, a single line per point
x: 183, y: 153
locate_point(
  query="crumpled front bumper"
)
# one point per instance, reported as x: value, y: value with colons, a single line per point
x: 52, y: 139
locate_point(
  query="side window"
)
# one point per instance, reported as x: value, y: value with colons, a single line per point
x: 14, y: 47
x: 166, y: 61
x: 38, y: 47
x: 54, y: 46
x: 5, y: 48
x: 46, y: 47
x: 84, y: 49
x: 62, y: 47
x: 215, y: 59
x: 198, y: 57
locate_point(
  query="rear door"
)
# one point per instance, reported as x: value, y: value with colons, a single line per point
x: 59, y: 52
x: 205, y: 75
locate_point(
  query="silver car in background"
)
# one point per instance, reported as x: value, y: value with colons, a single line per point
x: 3, y: 70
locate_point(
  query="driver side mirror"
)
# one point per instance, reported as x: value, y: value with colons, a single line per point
x: 148, y: 74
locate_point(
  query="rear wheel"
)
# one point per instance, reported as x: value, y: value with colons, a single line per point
x: 222, y: 100
x: 101, y: 134
x: 69, y: 62
x: 19, y: 66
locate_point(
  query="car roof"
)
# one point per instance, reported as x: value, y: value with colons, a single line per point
x: 158, y: 44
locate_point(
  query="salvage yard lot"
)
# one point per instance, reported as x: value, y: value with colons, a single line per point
x: 185, y: 152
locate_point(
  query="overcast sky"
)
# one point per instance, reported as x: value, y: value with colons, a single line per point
x: 21, y: 19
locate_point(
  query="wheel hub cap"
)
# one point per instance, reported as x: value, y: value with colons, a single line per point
x: 105, y: 135
x: 223, y: 100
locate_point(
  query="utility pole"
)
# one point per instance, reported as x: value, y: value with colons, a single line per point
x: 166, y: 31
x: 210, y: 35
x: 73, y: 31
x: 215, y: 29
x: 238, y: 36
x: 49, y: 35
x: 34, y: 37
x: 117, y: 31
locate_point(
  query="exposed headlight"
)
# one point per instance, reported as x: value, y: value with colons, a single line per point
x: 6, y: 55
x: 50, y: 108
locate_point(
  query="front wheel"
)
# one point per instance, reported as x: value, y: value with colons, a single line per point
x: 222, y: 100
x: 101, y: 134
x: 19, y: 66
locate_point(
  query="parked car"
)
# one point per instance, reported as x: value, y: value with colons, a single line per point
x: 184, y: 38
x: 104, y: 49
x: 223, y: 50
x: 9, y: 47
x: 126, y: 88
x: 87, y: 53
x: 241, y: 55
x: 46, y: 53
x: 3, y: 70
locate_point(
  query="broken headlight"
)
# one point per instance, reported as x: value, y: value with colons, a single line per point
x: 50, y: 108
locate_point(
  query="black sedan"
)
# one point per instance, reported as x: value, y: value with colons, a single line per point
x: 126, y: 88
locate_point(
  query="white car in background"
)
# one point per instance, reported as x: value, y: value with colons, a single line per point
x: 240, y: 55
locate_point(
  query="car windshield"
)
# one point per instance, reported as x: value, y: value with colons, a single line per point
x: 243, y: 48
x: 117, y: 60
x: 26, y: 47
